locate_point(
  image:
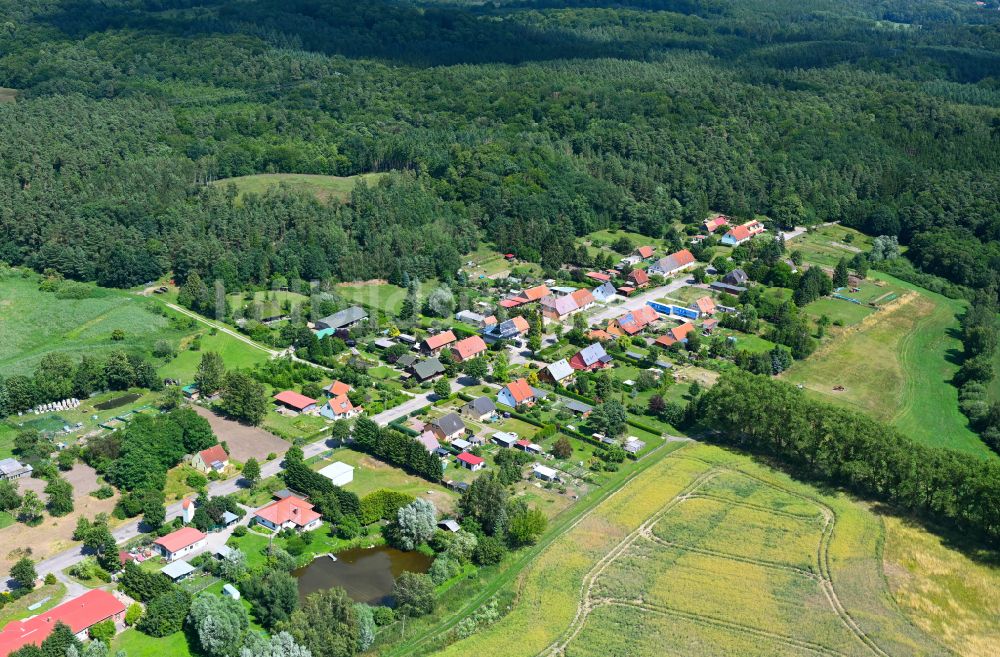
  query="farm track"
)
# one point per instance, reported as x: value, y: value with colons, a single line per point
x: 824, y: 577
x: 755, y: 507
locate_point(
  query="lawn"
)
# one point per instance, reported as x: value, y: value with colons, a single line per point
x: 137, y: 644
x: 838, y: 310
x: 34, y: 323
x: 235, y: 353
x: 51, y: 594
x: 828, y: 244
x: 380, y: 296
x: 6, y: 519
x: 8, y: 95
x: 742, y: 572
x: 324, y: 188
x: 897, y: 366
x: 272, y: 303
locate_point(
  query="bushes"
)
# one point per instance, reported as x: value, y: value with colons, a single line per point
x: 166, y: 613
x: 382, y: 504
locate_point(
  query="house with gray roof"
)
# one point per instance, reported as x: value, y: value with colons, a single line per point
x: 11, y: 468
x: 559, y: 371
x: 448, y: 427
x: 343, y: 319
x: 603, y: 293
x: 479, y: 408
x: 427, y: 369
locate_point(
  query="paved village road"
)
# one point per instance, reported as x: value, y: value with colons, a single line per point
x: 637, y: 301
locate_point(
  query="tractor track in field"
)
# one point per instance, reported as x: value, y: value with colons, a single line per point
x: 763, y: 563
x: 722, y: 623
x: 587, y: 603
x: 756, y: 507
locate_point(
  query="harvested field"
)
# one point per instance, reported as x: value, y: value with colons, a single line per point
x: 244, y: 441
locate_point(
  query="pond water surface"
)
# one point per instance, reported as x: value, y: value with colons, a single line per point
x: 367, y: 574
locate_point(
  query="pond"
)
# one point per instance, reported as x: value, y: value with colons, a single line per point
x: 117, y: 401
x: 367, y: 574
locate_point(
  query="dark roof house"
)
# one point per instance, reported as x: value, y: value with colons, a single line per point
x: 343, y: 319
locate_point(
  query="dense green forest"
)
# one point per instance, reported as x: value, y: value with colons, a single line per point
x: 521, y: 123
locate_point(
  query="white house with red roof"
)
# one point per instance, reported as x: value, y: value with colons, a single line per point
x: 180, y: 543
x: 340, y: 408
x: 471, y: 461
x: 739, y: 234
x: 705, y: 306
x: 336, y: 389
x: 79, y: 614
x: 516, y: 393
x: 291, y: 512
x: 213, y: 459
x: 294, y: 401
x: 673, y: 263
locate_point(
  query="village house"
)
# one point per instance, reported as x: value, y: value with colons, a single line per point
x: 604, y: 293
x: 290, y: 512
x: 471, y: 318
x: 213, y: 459
x: 739, y: 234
x: 638, y: 278
x: 506, y: 330
x: 598, y: 276
x: 705, y: 306
x: 628, y: 261
x: 505, y: 439
x: 531, y: 295
x: 427, y: 369
x: 559, y: 372
x: 634, y: 322
x: 180, y: 543
x: 340, y: 321
x: 590, y: 358
x: 340, y: 408
x: 516, y: 393
x: 293, y: 401
x: 479, y: 409
x: 336, y: 389
x: 644, y: 252
x: 468, y: 348
x: 583, y: 298
x: 557, y: 308
x: 599, y: 335
x: 736, y: 277
x: 79, y: 614
x: 675, y: 335
x: 715, y: 223
x: 11, y: 468
x: 447, y: 427
x: 429, y: 441
x: 673, y: 263
x: 470, y: 461
x: 435, y: 343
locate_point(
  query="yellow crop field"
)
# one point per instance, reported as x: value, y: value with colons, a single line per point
x: 708, y: 553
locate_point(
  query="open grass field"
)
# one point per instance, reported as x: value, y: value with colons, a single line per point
x: 324, y: 187
x: 8, y: 95
x: 897, y: 366
x: 272, y: 303
x: 49, y: 595
x: 827, y: 245
x: 137, y: 644
x: 235, y: 353
x: 34, y: 323
x: 707, y: 553
x: 946, y: 593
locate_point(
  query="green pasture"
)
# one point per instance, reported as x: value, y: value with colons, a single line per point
x: 325, y: 188
x: 828, y: 244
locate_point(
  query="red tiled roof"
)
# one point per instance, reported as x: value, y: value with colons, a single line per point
x: 294, y: 399
x: 340, y: 405
x: 513, y: 303
x: 290, y: 509
x: 536, y: 293
x: 639, y: 276
x: 583, y: 297
x: 705, y: 305
x: 520, y: 390
x: 213, y: 454
x: 716, y: 222
x: 598, y: 276
x: 645, y: 251
x: 439, y: 340
x: 469, y: 347
x: 471, y: 459
x: 338, y: 388
x: 180, y: 539
x: 599, y: 334
x: 521, y: 324
x: 739, y: 233
x: 79, y: 613
x: 675, y: 334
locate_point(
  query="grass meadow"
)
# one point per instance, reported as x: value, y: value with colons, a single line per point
x: 324, y: 187
x: 897, y: 366
x: 34, y: 323
x: 707, y: 553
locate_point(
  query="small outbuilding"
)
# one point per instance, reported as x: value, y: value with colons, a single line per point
x: 178, y: 570
x: 339, y: 473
